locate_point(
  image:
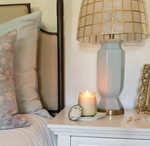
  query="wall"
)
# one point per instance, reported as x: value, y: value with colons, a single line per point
x: 80, y: 58
x: 81, y: 62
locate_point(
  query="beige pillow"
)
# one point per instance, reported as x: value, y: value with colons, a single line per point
x: 25, y: 53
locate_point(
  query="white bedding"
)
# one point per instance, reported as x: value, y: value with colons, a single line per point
x: 36, y: 135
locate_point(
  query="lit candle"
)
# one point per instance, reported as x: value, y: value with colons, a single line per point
x: 87, y: 101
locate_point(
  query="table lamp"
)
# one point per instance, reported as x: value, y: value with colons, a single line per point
x: 111, y: 22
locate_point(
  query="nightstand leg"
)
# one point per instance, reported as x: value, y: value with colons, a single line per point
x: 63, y: 140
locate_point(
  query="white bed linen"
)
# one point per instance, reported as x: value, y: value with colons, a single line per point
x: 36, y: 135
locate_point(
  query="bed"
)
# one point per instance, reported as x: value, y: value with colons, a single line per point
x: 36, y: 135
x: 48, y: 79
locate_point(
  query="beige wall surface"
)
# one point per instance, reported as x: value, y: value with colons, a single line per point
x: 80, y: 58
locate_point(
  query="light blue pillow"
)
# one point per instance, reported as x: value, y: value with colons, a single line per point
x: 8, y: 106
x: 25, y: 55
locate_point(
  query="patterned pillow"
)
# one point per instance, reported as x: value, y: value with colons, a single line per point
x: 25, y: 54
x: 8, y: 105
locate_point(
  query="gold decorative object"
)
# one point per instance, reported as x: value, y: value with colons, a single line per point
x: 144, y: 96
x: 112, y: 112
x: 132, y: 121
x: 112, y: 19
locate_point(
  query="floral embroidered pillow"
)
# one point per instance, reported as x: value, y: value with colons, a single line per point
x: 8, y: 106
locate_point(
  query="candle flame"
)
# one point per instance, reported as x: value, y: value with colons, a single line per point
x: 87, y: 93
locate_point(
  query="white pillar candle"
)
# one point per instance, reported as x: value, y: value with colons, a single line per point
x: 87, y: 101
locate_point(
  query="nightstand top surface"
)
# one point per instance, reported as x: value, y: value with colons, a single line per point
x: 119, y: 121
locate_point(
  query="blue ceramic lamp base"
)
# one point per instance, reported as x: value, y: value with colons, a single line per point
x: 110, y: 76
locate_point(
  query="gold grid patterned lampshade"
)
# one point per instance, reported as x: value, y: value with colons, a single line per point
x: 113, y: 19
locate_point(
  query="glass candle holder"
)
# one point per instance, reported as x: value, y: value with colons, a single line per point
x: 87, y: 101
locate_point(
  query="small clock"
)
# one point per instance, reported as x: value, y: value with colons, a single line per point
x: 75, y: 113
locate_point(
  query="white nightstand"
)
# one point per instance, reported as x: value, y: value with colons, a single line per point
x: 107, y: 131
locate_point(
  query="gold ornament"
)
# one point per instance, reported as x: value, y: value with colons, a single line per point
x: 144, y: 95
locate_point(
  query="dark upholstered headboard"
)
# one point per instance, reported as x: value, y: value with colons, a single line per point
x: 50, y: 57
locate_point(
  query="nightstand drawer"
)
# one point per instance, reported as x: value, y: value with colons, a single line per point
x: 84, y: 141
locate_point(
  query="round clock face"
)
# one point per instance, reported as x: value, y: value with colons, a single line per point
x: 75, y: 113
